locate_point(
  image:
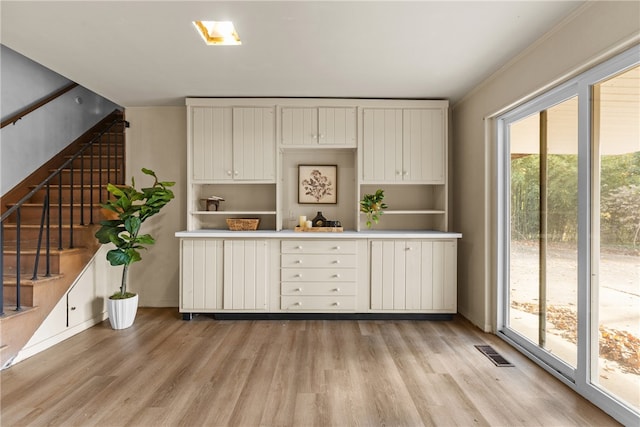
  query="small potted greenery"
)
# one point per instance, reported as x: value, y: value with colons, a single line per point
x: 126, y: 212
x: 372, y: 205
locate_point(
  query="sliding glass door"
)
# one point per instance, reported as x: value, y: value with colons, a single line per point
x: 615, y: 353
x: 569, y: 221
x: 543, y: 236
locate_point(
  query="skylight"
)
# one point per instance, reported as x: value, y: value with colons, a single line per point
x: 218, y: 32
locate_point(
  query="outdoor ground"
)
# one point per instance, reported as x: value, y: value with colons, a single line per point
x: 619, y: 313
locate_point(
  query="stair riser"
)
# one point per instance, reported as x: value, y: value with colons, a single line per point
x: 27, y: 263
x: 29, y: 237
x: 99, y: 162
x: 87, y: 177
x: 75, y: 195
x: 26, y: 296
x: 33, y: 215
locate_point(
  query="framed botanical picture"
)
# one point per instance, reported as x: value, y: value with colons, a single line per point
x: 318, y: 184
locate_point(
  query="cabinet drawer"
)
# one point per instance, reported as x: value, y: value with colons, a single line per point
x: 318, y: 275
x: 318, y: 247
x: 320, y: 303
x: 318, y: 288
x: 318, y: 261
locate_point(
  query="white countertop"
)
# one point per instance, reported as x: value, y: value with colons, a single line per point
x: 348, y: 234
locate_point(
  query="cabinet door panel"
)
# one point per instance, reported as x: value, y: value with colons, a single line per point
x: 414, y: 270
x: 212, y: 155
x: 382, y: 274
x: 201, y: 274
x: 253, y: 144
x: 337, y: 126
x: 299, y: 126
x: 245, y: 274
x: 382, y: 145
x: 423, y: 146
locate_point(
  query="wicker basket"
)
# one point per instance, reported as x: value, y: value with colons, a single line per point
x: 243, y: 224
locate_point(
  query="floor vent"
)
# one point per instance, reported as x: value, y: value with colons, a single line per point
x: 493, y: 355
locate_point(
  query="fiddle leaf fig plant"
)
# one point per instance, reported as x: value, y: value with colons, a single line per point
x: 372, y: 205
x: 130, y: 208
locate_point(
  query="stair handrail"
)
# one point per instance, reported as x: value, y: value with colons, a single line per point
x: 13, y: 119
x: 60, y: 169
x: 47, y: 181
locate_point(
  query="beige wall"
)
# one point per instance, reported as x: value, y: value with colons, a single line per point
x: 594, y: 33
x: 157, y: 140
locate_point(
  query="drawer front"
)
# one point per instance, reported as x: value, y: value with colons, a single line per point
x: 318, y: 275
x: 318, y: 261
x: 318, y: 288
x: 318, y: 246
x: 322, y: 303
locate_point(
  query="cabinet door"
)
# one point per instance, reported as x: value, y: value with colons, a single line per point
x: 382, y: 145
x: 245, y: 274
x: 414, y: 276
x: 299, y: 126
x: 254, y: 150
x: 212, y: 143
x: 337, y: 126
x: 423, y: 146
x: 201, y: 275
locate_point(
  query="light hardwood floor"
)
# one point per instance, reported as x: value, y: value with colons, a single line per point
x: 165, y: 371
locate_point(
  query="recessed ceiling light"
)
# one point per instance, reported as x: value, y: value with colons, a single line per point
x: 217, y: 32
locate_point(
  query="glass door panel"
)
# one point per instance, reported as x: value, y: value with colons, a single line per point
x: 543, y: 236
x: 615, y: 290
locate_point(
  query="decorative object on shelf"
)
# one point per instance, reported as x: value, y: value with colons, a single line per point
x: 318, y: 184
x: 302, y: 221
x: 212, y: 203
x: 319, y: 229
x: 319, y: 220
x: 128, y: 209
x: 243, y: 224
x: 308, y: 224
x: 372, y: 206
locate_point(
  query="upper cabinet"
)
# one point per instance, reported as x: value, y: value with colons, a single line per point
x: 404, y: 145
x: 321, y: 126
x: 233, y: 144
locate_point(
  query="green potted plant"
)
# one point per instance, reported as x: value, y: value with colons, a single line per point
x: 126, y: 211
x: 372, y: 205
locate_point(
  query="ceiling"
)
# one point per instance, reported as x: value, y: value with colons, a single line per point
x: 147, y: 53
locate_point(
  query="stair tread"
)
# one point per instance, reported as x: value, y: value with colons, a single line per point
x: 10, y: 311
x: 33, y: 251
x: 11, y: 225
x: 9, y: 280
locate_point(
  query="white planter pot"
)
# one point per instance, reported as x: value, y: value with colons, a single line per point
x: 122, y: 312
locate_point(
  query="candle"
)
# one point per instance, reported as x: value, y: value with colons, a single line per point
x: 309, y: 224
x: 302, y: 221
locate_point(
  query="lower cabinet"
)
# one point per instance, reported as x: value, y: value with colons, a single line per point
x: 318, y: 276
x: 413, y: 275
x: 221, y: 274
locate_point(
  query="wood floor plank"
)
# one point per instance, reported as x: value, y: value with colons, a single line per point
x: 206, y: 372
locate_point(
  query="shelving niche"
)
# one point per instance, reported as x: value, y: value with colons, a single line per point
x: 241, y: 200
x: 410, y: 207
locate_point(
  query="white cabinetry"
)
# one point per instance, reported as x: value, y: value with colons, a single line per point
x: 218, y: 275
x: 233, y: 144
x: 413, y: 275
x: 318, y: 275
x: 232, y: 155
x: 404, y: 152
x: 321, y: 126
x: 404, y: 145
x: 245, y: 274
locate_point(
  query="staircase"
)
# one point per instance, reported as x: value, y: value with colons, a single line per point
x: 48, y: 226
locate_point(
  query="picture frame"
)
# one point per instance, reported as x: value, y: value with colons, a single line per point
x: 318, y: 184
